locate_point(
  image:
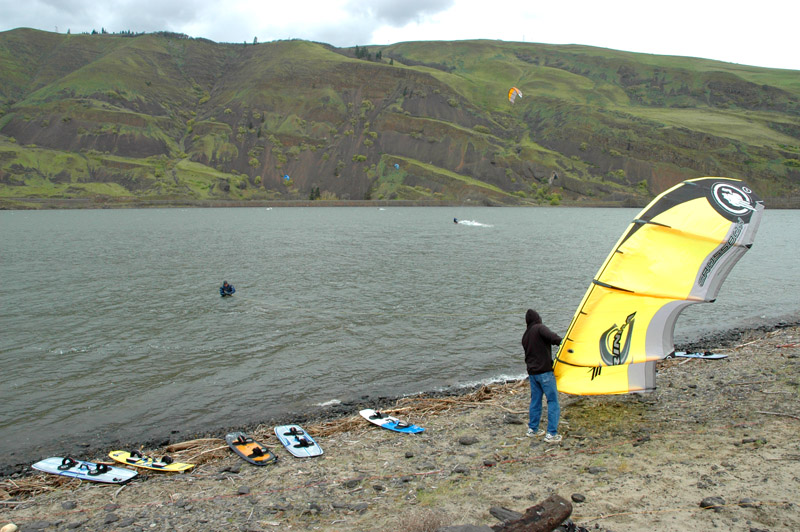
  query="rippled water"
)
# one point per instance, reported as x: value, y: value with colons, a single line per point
x: 112, y: 326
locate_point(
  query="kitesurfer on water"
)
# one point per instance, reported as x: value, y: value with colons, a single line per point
x: 537, y: 341
x: 455, y: 220
x: 226, y: 289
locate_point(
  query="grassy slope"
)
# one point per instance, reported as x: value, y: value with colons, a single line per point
x: 569, y: 86
x: 495, y: 68
x: 195, y: 119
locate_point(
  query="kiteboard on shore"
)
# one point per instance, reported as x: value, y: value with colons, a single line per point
x: 70, y: 467
x: 137, y: 459
x: 389, y: 422
x: 249, y: 449
x: 707, y: 355
x: 297, y: 441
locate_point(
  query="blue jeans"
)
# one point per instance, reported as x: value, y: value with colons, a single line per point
x: 544, y: 384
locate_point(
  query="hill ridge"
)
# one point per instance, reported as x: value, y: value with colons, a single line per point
x: 161, y: 116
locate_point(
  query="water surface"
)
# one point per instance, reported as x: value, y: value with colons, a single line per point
x: 113, y: 326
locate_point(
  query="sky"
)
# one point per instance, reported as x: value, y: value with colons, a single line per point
x: 761, y: 33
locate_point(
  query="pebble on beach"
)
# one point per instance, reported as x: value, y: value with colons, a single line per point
x: 712, y: 503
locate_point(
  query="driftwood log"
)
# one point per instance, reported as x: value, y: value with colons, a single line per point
x: 191, y: 444
x: 543, y: 517
x: 504, y: 514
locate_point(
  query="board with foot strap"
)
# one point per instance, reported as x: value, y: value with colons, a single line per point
x: 137, y: 459
x: 297, y: 441
x: 249, y: 450
x: 706, y: 355
x: 389, y: 422
x: 70, y: 467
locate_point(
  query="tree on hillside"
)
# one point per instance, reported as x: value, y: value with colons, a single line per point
x: 362, y: 53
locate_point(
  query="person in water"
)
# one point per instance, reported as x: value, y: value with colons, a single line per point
x: 455, y: 220
x: 226, y: 289
x: 537, y: 341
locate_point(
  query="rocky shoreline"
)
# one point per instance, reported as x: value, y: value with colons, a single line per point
x: 715, y: 433
x: 93, y: 446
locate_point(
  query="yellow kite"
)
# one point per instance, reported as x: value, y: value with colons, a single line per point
x: 676, y: 252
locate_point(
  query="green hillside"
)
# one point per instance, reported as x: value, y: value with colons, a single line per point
x: 123, y: 119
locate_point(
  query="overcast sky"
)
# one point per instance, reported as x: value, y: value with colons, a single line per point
x: 759, y: 33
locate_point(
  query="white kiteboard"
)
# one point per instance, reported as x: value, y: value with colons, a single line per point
x: 297, y: 441
x: 69, y: 467
x: 706, y: 355
x: 389, y: 422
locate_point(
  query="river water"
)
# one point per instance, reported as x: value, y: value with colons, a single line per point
x: 112, y: 325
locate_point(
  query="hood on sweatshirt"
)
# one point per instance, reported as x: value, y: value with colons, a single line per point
x: 532, y: 317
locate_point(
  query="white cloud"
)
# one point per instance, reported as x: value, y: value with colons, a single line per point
x: 398, y: 14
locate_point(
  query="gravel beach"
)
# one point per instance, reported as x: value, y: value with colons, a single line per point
x: 716, y: 433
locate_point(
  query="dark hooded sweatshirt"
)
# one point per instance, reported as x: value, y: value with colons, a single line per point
x: 537, y: 341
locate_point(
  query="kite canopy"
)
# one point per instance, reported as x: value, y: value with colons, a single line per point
x: 513, y: 92
x: 675, y: 253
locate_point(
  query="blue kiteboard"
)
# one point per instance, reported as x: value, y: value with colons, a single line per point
x: 297, y: 441
x: 389, y: 422
x: 70, y: 467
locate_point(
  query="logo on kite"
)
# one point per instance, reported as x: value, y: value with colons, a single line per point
x: 737, y: 230
x: 513, y: 92
x: 613, y: 349
x: 735, y: 200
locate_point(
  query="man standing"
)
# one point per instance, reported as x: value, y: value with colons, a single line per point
x: 539, y: 362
